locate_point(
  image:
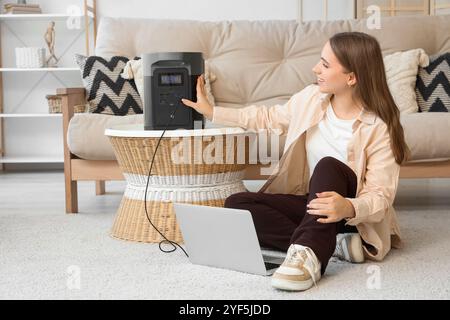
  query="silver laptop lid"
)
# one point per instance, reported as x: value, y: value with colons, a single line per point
x: 220, y: 237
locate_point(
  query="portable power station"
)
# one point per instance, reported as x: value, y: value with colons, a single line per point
x: 168, y: 77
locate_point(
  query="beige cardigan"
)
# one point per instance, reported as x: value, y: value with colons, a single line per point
x: 369, y: 156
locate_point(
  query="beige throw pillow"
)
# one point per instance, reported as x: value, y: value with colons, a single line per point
x: 134, y: 70
x: 401, y: 73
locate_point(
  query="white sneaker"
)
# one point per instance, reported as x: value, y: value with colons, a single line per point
x: 349, y: 247
x: 299, y: 271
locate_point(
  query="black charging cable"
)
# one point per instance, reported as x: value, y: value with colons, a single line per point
x: 174, y: 244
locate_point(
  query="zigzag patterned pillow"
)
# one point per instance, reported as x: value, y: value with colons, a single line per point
x: 433, y: 85
x: 107, y: 91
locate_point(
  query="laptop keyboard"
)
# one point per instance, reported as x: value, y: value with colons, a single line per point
x: 270, y: 266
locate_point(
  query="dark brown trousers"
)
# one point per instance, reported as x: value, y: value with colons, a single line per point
x: 281, y: 219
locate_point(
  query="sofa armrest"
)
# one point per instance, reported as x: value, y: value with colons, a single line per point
x: 70, y: 90
x: 70, y: 98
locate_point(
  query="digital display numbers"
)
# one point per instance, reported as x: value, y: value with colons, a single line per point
x: 171, y: 79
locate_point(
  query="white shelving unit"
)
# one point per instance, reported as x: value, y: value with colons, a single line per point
x: 37, y: 17
x: 87, y: 18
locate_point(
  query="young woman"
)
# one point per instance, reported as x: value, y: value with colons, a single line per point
x: 337, y: 179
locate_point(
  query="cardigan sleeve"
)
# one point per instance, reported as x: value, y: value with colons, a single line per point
x: 380, y: 181
x: 275, y: 118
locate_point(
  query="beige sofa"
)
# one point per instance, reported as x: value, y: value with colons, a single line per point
x: 256, y: 62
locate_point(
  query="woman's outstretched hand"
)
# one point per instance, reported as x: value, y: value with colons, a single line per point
x: 202, y: 105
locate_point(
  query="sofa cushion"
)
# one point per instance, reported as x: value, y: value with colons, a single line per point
x: 107, y: 91
x: 262, y: 62
x: 427, y: 135
x: 86, y: 137
x: 401, y: 74
x: 250, y: 57
x: 423, y: 133
x: 433, y: 85
x: 86, y: 134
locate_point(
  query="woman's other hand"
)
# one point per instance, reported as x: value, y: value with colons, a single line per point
x: 331, y: 205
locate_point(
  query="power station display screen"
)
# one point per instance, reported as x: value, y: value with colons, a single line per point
x: 170, y: 79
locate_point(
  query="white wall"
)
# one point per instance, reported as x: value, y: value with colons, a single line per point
x: 226, y: 10
x: 44, y: 136
x: 201, y: 9
x: 337, y: 9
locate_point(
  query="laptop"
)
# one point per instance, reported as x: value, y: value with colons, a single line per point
x: 224, y: 238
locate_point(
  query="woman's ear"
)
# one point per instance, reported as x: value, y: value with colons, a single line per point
x: 351, y: 81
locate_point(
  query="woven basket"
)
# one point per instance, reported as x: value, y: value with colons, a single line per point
x: 55, y: 105
x: 203, y: 184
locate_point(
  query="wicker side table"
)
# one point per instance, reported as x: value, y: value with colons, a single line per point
x: 179, y: 174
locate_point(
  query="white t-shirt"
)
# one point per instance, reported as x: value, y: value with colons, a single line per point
x: 329, y: 137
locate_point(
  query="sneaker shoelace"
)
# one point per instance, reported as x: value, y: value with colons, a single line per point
x: 301, y: 256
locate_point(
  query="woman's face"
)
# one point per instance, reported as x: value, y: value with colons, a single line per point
x: 331, y: 75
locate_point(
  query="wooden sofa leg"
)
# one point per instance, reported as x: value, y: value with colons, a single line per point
x: 99, y: 187
x: 70, y: 97
x: 71, y: 196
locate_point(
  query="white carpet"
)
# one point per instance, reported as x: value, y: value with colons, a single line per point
x: 39, y: 244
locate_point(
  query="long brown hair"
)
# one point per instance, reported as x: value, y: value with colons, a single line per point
x: 361, y: 54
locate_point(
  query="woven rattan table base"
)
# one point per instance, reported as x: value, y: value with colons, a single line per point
x: 203, y: 184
